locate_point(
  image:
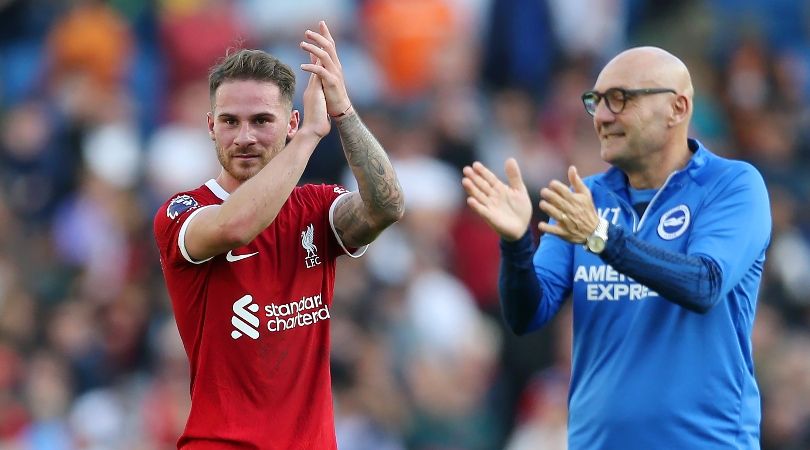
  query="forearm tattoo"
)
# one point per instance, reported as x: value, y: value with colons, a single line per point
x: 379, y: 188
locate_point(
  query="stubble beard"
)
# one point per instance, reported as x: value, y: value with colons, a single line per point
x: 231, y: 165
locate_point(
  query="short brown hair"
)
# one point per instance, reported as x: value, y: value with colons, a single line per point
x: 255, y: 65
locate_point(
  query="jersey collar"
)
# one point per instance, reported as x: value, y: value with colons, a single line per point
x: 217, y: 189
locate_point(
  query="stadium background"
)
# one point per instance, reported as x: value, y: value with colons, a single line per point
x: 102, y: 118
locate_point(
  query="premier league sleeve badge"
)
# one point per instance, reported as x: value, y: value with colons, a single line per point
x: 180, y: 204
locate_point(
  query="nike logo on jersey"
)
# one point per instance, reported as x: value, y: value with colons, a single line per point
x: 233, y: 258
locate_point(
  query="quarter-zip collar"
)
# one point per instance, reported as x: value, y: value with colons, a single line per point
x: 615, y: 180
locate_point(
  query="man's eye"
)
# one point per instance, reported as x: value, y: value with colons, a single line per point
x: 615, y: 96
x: 230, y: 121
x: 262, y: 121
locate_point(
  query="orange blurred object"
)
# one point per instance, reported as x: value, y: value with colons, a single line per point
x: 92, y: 38
x: 406, y: 38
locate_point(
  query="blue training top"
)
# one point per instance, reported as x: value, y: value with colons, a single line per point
x: 663, y: 317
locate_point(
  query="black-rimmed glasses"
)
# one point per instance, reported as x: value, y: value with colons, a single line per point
x: 616, y: 98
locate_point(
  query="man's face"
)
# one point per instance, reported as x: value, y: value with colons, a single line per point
x: 250, y: 124
x: 639, y: 129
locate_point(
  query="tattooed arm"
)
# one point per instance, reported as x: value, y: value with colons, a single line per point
x: 361, y: 216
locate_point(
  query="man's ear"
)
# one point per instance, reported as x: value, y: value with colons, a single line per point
x: 681, y: 109
x: 210, y: 118
x: 292, y: 126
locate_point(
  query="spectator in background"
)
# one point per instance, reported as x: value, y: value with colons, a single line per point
x: 265, y: 382
x: 520, y: 47
x: 178, y: 155
x: 63, y: 152
x: 407, y: 55
x: 663, y: 256
x: 543, y: 410
x: 93, y: 39
x: 194, y: 33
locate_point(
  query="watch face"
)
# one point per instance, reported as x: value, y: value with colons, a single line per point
x: 596, y: 244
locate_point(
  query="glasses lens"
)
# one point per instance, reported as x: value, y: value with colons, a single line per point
x: 615, y: 99
x: 590, y: 100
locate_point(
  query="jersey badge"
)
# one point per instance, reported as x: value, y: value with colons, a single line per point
x: 674, y: 222
x: 307, y: 241
x: 180, y: 204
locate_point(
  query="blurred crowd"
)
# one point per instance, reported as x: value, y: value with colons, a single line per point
x: 102, y: 118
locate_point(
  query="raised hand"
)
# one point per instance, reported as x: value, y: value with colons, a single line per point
x: 506, y: 208
x: 315, y: 113
x: 572, y: 208
x: 322, y: 48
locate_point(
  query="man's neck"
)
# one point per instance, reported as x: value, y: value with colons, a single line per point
x: 227, y: 182
x: 654, y: 171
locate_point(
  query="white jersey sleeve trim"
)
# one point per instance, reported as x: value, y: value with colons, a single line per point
x: 360, y: 251
x: 181, y: 238
x: 217, y: 189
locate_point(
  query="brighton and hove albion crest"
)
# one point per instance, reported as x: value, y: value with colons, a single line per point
x: 674, y: 222
x: 307, y: 241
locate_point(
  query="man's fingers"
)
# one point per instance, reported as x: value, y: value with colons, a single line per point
x: 553, y: 197
x: 561, y: 189
x: 333, y: 47
x: 325, y: 31
x: 476, y: 177
x: 545, y: 227
x: 513, y: 174
x: 473, y: 190
x: 324, y: 43
x: 553, y: 211
x: 318, y: 39
x: 576, y: 181
x: 482, y: 184
x: 486, y: 174
x: 316, y: 69
x: 318, y: 52
x: 477, y: 206
x: 314, y: 79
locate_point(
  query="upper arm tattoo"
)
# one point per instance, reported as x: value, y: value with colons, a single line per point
x: 351, y: 225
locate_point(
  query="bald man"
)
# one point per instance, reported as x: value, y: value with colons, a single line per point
x: 661, y: 256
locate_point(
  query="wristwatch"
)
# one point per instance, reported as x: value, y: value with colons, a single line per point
x: 595, y: 243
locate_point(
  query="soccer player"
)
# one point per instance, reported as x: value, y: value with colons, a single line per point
x: 249, y: 257
x: 662, y: 256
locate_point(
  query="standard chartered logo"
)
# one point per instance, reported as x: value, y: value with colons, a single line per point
x: 243, y: 320
x: 309, y: 310
x: 306, y: 311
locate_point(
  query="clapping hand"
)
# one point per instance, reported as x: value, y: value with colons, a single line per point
x: 572, y: 208
x: 506, y: 208
x: 326, y: 65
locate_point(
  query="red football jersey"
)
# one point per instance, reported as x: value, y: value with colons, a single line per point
x: 255, y: 323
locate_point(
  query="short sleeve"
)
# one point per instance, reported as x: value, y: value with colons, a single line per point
x: 170, y: 224
x: 335, y: 193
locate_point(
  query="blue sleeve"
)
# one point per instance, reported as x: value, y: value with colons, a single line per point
x: 533, y: 289
x: 553, y: 266
x: 690, y: 281
x: 735, y: 227
x: 519, y: 289
x: 722, y: 247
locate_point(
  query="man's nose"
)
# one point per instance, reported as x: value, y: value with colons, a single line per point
x: 245, y: 135
x: 603, y: 114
